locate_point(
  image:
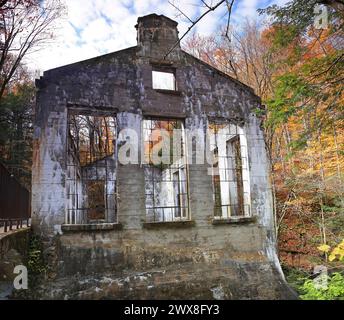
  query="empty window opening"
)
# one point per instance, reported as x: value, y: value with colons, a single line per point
x: 166, y: 185
x: 91, y: 168
x: 231, y: 187
x: 164, y: 80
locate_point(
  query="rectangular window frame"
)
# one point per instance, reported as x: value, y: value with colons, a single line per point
x: 222, y: 177
x: 152, y: 216
x: 77, y: 182
x: 166, y: 70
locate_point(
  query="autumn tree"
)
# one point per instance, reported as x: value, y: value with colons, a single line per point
x: 25, y: 26
x: 305, y: 113
x: 16, y: 130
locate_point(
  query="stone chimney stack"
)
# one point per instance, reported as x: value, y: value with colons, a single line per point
x: 156, y: 35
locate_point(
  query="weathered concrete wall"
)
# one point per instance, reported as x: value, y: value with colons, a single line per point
x: 236, y: 260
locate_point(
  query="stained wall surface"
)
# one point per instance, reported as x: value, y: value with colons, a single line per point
x: 191, y: 259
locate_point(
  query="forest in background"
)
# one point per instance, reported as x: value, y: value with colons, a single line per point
x: 294, y: 64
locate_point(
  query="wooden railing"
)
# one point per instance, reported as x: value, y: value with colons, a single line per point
x: 14, y: 202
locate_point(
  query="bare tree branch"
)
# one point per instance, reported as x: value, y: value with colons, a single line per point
x: 2, y: 3
x: 229, y: 6
x: 207, y: 5
x: 193, y: 24
x: 174, y: 6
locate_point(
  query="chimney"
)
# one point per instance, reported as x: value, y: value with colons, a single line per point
x: 156, y: 35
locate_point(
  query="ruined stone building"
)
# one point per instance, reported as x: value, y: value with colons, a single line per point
x: 185, y: 229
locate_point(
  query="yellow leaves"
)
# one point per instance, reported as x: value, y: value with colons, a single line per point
x: 324, y: 248
x: 336, y: 253
x: 331, y: 257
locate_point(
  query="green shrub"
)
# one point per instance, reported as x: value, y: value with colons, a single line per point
x: 36, y: 265
x: 333, y: 291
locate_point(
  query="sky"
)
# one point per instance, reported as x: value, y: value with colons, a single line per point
x: 95, y: 27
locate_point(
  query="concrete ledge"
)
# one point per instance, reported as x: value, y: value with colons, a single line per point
x: 174, y: 92
x: 91, y: 227
x: 234, y: 220
x: 235, y: 281
x: 13, y: 231
x: 169, y: 224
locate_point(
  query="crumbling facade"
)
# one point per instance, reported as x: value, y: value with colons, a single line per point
x: 184, y: 229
